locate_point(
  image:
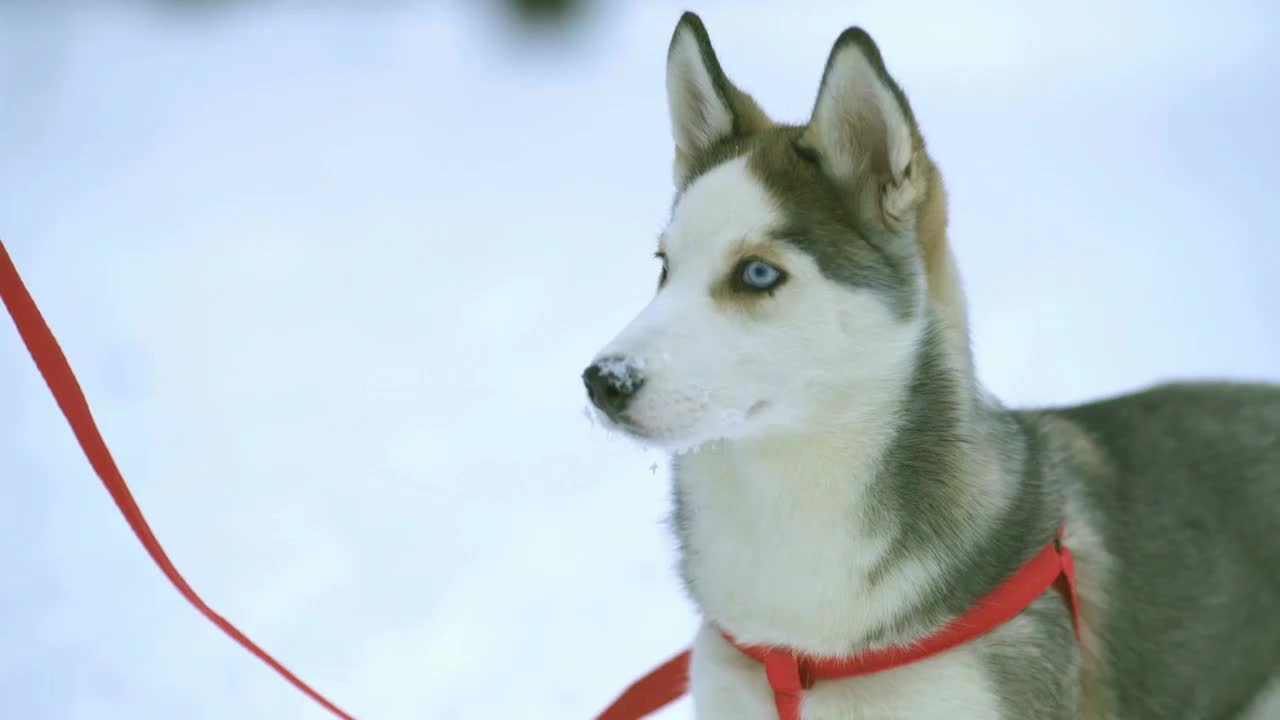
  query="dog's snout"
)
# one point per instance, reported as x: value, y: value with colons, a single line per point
x: 612, y: 382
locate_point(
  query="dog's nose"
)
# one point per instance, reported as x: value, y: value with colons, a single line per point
x: 611, y: 383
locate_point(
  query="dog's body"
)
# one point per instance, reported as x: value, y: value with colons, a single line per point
x: 842, y: 482
x: 1168, y: 507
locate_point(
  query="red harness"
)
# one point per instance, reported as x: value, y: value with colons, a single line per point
x: 790, y: 673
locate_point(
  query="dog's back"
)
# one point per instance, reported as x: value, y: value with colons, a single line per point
x: 1184, y: 491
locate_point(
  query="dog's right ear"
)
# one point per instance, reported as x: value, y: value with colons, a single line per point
x: 706, y: 108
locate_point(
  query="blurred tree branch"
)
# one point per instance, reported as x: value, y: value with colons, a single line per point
x: 531, y: 14
x: 537, y: 12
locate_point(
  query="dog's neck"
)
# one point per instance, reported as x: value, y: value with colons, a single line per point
x: 853, y: 536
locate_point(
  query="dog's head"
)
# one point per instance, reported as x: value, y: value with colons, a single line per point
x: 798, y: 263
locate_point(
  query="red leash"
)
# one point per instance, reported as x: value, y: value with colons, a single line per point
x: 790, y: 674
x: 662, y: 686
x: 66, y: 390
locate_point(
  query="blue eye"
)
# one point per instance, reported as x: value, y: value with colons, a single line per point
x: 759, y: 275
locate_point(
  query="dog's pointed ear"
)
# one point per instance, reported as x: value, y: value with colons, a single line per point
x: 862, y: 127
x: 706, y: 108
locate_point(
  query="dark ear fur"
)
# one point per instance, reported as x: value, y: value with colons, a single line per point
x: 863, y: 129
x: 706, y: 108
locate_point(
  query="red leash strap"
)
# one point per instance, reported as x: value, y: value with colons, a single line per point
x: 661, y: 687
x: 66, y: 390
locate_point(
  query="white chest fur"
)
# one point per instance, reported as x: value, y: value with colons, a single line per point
x: 779, y: 548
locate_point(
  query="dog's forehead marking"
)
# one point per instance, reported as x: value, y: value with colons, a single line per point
x: 725, y: 205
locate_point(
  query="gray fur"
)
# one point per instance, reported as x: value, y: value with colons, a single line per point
x: 820, y: 222
x: 1189, y: 501
x: 924, y: 485
x: 1185, y: 481
x: 1035, y: 674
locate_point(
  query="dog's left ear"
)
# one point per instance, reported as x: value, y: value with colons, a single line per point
x: 863, y: 130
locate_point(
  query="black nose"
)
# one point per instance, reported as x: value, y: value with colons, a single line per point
x: 611, y: 383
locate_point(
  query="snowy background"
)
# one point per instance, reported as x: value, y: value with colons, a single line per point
x: 329, y: 276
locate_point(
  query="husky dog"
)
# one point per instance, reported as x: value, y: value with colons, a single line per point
x: 842, y: 482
